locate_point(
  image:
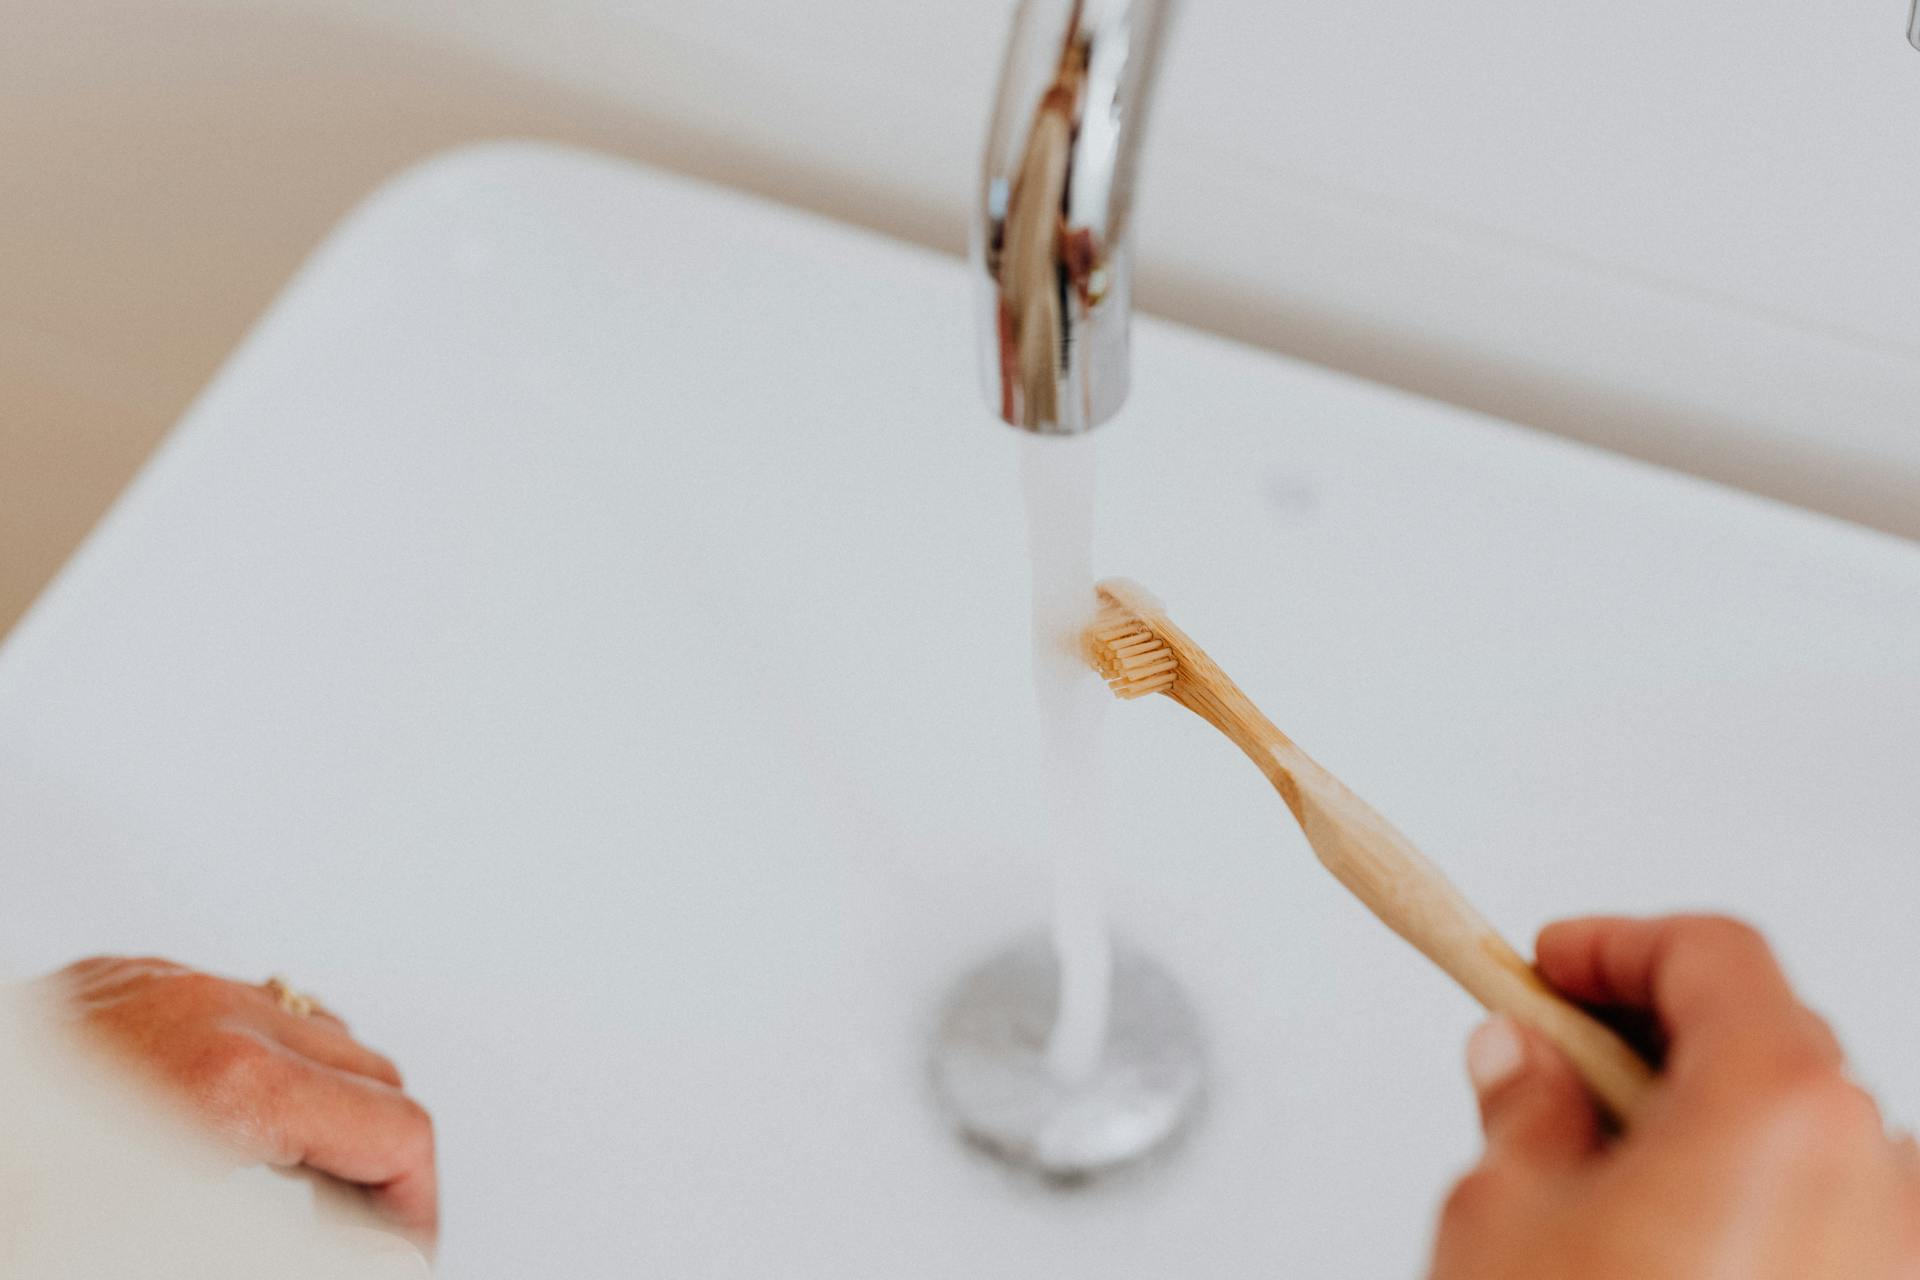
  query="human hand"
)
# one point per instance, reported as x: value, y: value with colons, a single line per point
x: 1756, y: 1159
x: 280, y: 1088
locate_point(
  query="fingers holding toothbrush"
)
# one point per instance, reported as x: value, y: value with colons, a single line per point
x: 1758, y: 1157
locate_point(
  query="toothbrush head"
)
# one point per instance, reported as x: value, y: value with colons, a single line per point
x: 1122, y: 644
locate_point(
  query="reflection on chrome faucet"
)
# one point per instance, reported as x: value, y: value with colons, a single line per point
x: 1050, y: 233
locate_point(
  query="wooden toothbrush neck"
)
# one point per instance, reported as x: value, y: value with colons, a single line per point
x: 1220, y: 702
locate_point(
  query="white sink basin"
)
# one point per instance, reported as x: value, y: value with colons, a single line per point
x: 582, y: 635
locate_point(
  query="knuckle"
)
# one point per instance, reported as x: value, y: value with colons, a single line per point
x: 1802, y: 1069
x: 416, y: 1136
x: 98, y: 972
x: 1799, y: 1080
x: 198, y: 987
x: 1725, y: 934
x: 1473, y: 1198
x: 1817, y: 1033
x: 234, y: 1063
x: 1506, y: 1096
x: 239, y: 1083
x: 81, y: 976
x: 1826, y: 1112
x: 414, y: 1120
x: 143, y: 968
x: 1848, y: 1114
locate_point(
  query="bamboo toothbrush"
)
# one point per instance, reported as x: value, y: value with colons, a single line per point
x: 1139, y: 651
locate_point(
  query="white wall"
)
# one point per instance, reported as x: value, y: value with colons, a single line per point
x: 1682, y: 228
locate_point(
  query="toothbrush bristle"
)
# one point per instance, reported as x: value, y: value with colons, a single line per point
x: 1134, y: 661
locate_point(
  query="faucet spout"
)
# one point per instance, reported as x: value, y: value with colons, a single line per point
x: 1051, y: 247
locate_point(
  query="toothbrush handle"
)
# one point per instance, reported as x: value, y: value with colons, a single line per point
x: 1416, y: 900
x: 1495, y: 975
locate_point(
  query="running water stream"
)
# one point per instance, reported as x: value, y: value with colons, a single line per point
x: 1071, y: 1054
x: 1059, y: 484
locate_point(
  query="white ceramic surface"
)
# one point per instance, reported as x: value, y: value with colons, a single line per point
x: 556, y: 640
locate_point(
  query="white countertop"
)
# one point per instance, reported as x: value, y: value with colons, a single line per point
x: 582, y: 635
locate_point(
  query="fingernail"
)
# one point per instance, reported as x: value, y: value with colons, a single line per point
x: 1495, y: 1053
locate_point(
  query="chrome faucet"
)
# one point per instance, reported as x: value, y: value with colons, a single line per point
x: 1913, y: 25
x: 1051, y: 248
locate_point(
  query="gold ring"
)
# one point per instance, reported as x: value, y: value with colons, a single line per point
x: 300, y: 1006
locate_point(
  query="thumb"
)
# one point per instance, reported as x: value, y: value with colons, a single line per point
x: 1533, y: 1106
